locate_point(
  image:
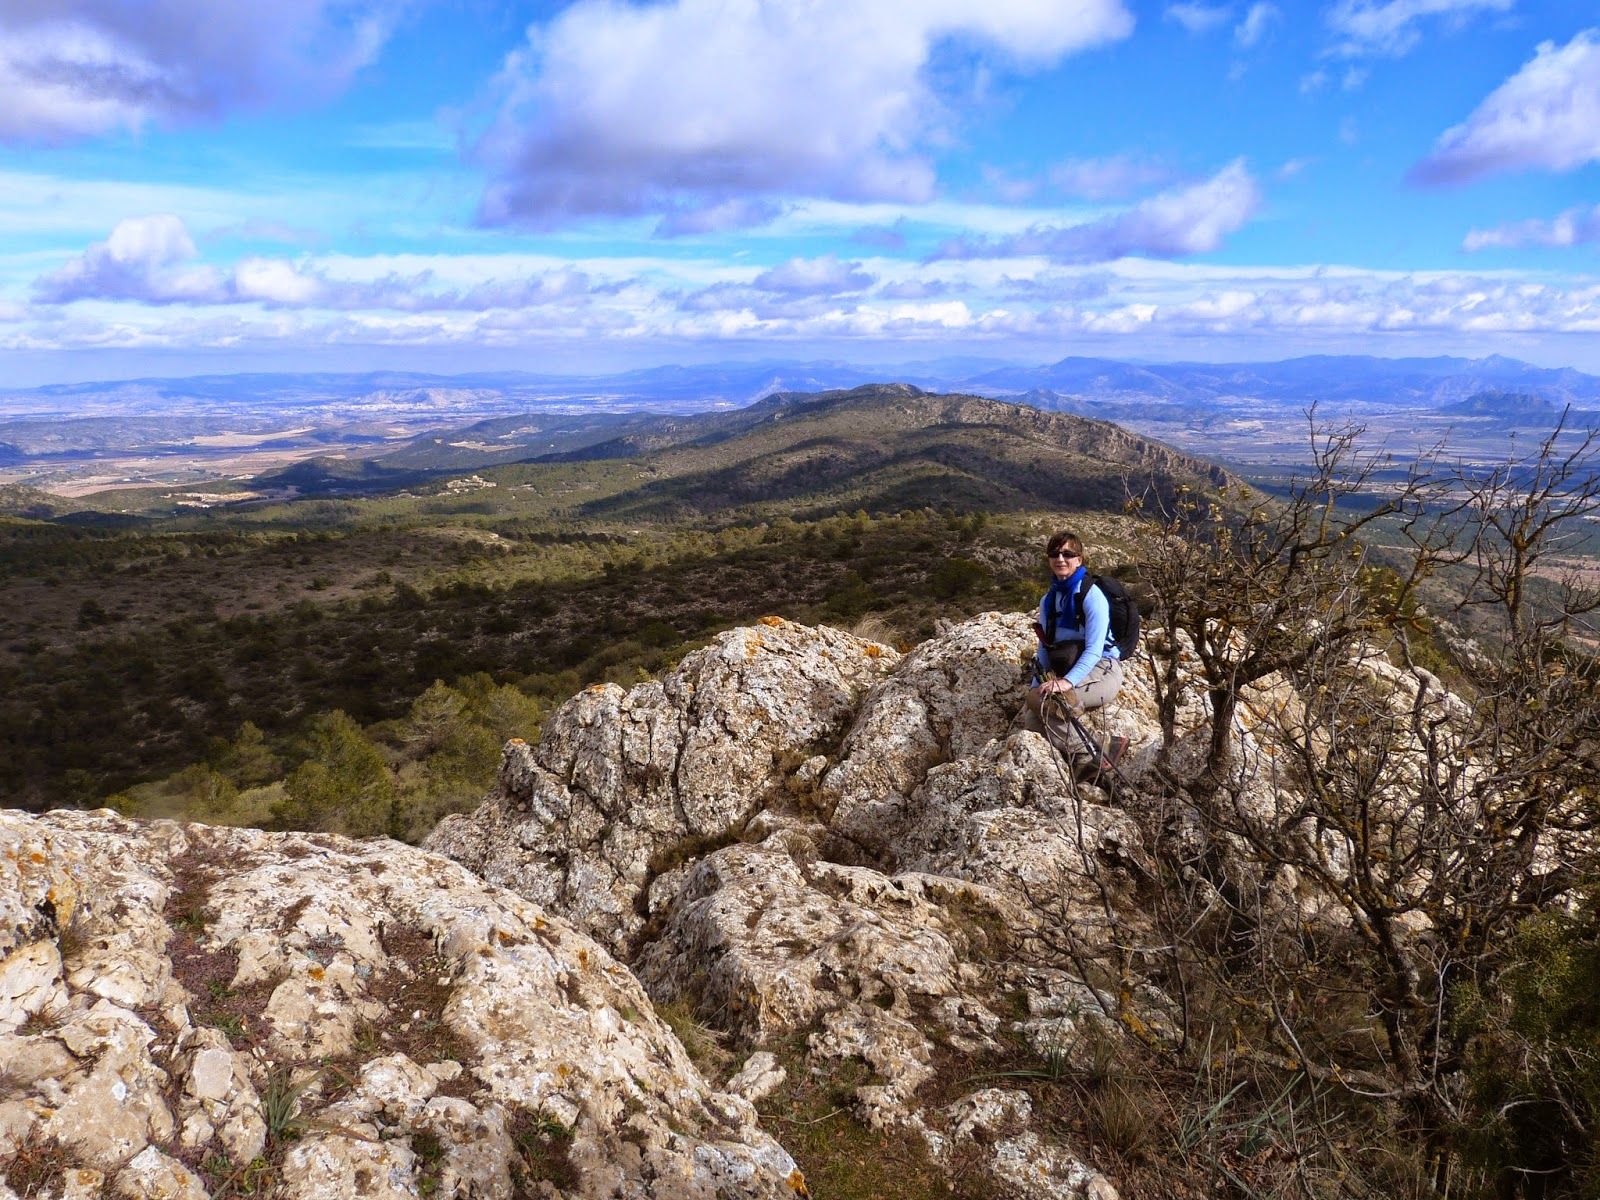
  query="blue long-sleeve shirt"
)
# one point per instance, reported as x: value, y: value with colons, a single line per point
x: 1094, y: 633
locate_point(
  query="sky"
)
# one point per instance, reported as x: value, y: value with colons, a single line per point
x: 190, y: 186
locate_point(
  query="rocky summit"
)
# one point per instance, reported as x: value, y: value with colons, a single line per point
x: 821, y: 858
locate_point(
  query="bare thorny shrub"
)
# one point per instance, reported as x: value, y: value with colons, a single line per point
x: 1317, y: 910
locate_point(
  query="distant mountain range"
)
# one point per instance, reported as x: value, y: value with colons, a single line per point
x: 1424, y: 383
x: 1411, y: 382
x: 421, y: 422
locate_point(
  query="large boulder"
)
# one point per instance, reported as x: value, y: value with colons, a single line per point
x: 186, y: 1008
x: 625, y: 788
x: 850, y: 869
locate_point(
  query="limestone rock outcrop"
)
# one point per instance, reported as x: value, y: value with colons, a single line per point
x: 851, y: 878
x: 186, y: 1011
x: 600, y: 819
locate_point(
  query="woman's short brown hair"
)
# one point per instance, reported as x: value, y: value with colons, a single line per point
x: 1069, y: 542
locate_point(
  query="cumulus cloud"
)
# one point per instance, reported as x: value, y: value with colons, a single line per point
x: 1200, y: 18
x: 686, y: 106
x: 1112, y: 178
x: 918, y: 289
x: 1372, y: 27
x: 812, y: 276
x: 1184, y: 221
x: 147, y: 259
x: 80, y: 67
x: 1546, y: 115
x: 1256, y: 23
x: 1571, y: 228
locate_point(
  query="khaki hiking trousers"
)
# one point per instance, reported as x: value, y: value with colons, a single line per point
x: 1099, y: 688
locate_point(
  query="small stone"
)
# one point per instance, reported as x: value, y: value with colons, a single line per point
x: 758, y: 1078
x: 211, y: 1076
x: 83, y: 1183
x: 28, y: 982
x: 152, y: 1175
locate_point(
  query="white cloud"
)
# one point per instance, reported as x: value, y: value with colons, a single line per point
x: 1108, y: 178
x: 80, y: 67
x: 147, y: 259
x: 1137, y: 306
x: 739, y: 212
x: 153, y: 261
x: 1375, y: 27
x: 1571, y: 228
x: 1189, y: 220
x: 811, y: 276
x: 147, y: 285
x: 685, y: 106
x: 1256, y: 23
x: 1547, y: 115
x: 1200, y: 18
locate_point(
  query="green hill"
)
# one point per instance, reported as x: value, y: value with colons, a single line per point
x: 882, y: 448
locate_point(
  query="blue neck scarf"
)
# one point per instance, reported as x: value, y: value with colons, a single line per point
x: 1063, y: 594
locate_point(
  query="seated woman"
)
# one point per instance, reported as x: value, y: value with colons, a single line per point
x: 1079, y: 666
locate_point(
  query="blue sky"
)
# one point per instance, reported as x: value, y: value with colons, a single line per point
x: 188, y: 186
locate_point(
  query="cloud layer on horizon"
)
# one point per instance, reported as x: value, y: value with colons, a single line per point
x: 146, y: 285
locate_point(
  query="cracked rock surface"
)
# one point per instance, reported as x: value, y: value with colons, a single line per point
x: 184, y: 1008
x: 598, y: 819
x: 842, y: 885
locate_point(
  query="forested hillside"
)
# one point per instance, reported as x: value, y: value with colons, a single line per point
x: 141, y: 648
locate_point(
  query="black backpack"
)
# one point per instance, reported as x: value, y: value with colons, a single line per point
x: 1124, y: 612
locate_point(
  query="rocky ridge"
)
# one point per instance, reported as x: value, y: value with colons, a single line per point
x: 851, y: 874
x: 831, y: 854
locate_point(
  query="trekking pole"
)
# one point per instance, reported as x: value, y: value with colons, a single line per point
x: 1102, y: 761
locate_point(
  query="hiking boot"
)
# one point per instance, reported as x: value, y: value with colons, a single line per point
x: 1112, y: 752
x: 1116, y: 748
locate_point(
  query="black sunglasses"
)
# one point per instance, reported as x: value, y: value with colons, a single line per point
x: 1064, y: 554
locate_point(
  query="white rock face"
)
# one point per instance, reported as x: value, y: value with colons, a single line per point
x: 848, y: 869
x: 625, y: 785
x: 948, y: 699
x: 341, y: 1019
